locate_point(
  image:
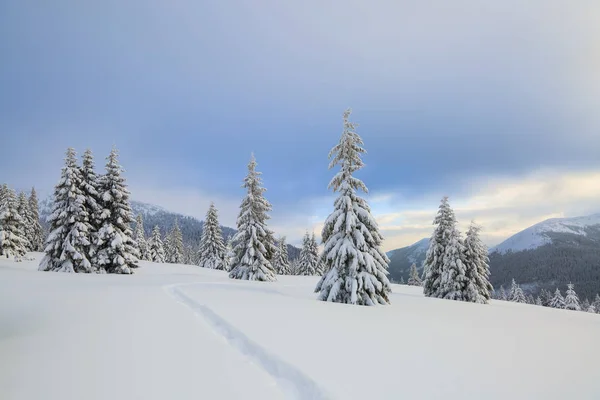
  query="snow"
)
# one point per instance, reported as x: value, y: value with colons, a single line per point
x: 536, y: 235
x: 182, y: 332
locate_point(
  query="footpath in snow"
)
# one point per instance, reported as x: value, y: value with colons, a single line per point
x: 182, y: 332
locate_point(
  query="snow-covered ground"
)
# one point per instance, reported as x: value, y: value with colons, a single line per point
x: 182, y: 332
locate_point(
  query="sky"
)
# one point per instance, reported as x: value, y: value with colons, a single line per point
x: 494, y: 104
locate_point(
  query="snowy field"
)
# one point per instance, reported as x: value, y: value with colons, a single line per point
x: 181, y: 332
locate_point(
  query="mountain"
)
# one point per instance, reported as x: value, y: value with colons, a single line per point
x: 191, y: 228
x: 542, y: 233
x: 551, y: 254
x: 401, y: 259
x: 546, y: 255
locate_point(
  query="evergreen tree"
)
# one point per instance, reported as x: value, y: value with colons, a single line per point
x: 356, y: 266
x: 12, y: 241
x: 455, y: 285
x: 571, y: 299
x: 503, y: 295
x: 402, y: 280
x: 26, y: 224
x: 557, y: 301
x: 174, y: 248
x: 414, y: 279
x: 212, y: 249
x: 546, y: 298
x: 156, y: 249
x: 229, y: 254
x: 253, y: 240
x: 516, y: 293
x: 477, y: 265
x: 140, y: 239
x: 591, y: 309
x: 596, y: 303
x: 538, y: 301
x: 585, y: 304
x: 69, y: 228
x: 309, y: 258
x: 438, y: 254
x: 116, y: 251
x: 89, y: 189
x: 37, y: 234
x: 319, y: 262
x: 530, y: 299
x: 281, y: 261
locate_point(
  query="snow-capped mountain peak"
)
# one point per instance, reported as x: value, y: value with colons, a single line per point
x: 537, y: 235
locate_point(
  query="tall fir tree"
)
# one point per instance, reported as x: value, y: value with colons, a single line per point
x: 212, y: 252
x: 444, y: 236
x: 174, y: 245
x: 12, y: 240
x: 116, y: 252
x: 26, y: 225
x: 89, y: 189
x: 140, y: 239
x: 571, y: 299
x: 413, y: 279
x: 558, y: 300
x: 477, y: 265
x: 356, y: 266
x: 156, y: 247
x: 37, y: 233
x: 68, y: 240
x: 253, y: 241
x: 281, y: 261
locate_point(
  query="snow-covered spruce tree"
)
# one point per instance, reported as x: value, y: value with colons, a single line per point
x: 26, y: 225
x: 319, y: 262
x: 444, y: 233
x: 530, y: 299
x: 413, y: 279
x: 155, y: 246
x: 558, y: 300
x: 546, y: 297
x: 212, y: 252
x: 37, y: 233
x: 229, y: 254
x: 356, y: 266
x: 174, y: 245
x: 538, y: 301
x: 140, y: 239
x: 477, y: 264
x: 516, y: 293
x: 281, y: 261
x: 309, y: 258
x: 69, y: 228
x: 253, y: 240
x: 502, y: 295
x: 596, y: 303
x: 89, y: 188
x: 571, y: 299
x: 115, y: 250
x: 585, y: 304
x: 12, y: 241
x: 454, y: 282
x: 591, y: 309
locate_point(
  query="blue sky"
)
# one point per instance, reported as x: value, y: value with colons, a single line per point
x: 495, y: 105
